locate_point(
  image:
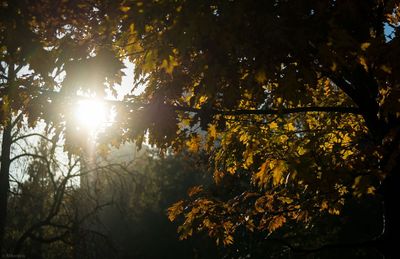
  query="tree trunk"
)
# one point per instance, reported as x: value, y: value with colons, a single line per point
x: 4, y: 179
x: 390, y: 189
x: 391, y: 196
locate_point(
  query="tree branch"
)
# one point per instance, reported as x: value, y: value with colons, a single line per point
x: 31, y: 135
x: 339, y: 109
x: 28, y: 154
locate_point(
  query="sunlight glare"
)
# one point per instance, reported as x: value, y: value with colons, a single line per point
x: 91, y: 115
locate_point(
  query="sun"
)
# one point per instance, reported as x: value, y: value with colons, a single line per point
x: 91, y: 115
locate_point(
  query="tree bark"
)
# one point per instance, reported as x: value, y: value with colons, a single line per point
x: 4, y: 179
x: 391, y: 195
x: 390, y: 190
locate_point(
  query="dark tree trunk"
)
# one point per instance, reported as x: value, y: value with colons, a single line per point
x: 390, y: 190
x: 4, y: 179
x: 391, y: 195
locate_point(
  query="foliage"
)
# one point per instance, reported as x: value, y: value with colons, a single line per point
x: 295, y: 103
x: 142, y: 186
x: 50, y: 214
x: 299, y: 96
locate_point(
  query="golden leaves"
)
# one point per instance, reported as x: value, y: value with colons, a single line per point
x: 261, y: 177
x: 273, y: 125
x: 195, y: 190
x: 347, y: 153
x: 362, y: 60
x: 324, y: 205
x: 244, y: 76
x: 150, y: 60
x: 228, y: 240
x: 194, y: 143
x: 276, y: 222
x: 271, y: 170
x: 228, y: 229
x: 125, y: 8
x: 289, y: 127
x: 169, y: 64
x: 278, y: 167
x: 301, y: 150
x: 212, y: 131
x: 217, y: 176
x: 286, y: 200
x: 264, y: 203
x: 175, y: 210
x: 365, y: 46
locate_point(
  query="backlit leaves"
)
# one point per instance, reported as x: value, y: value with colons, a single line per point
x: 276, y: 222
x: 175, y: 210
x: 222, y: 61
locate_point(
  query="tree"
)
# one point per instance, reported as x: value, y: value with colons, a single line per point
x: 300, y: 95
x: 50, y: 213
x: 143, y: 186
x: 44, y: 43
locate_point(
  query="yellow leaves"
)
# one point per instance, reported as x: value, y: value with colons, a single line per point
x: 260, y: 76
x: 365, y: 45
x: 270, y: 171
x: 212, y: 131
x: 286, y: 200
x: 244, y: 76
x: 363, y: 62
x: 250, y: 225
x: 347, y: 153
x: 261, y: 177
x: 276, y: 222
x: 264, y: 203
x: 289, y: 127
x: 248, y: 160
x: 278, y: 167
x: 283, y: 139
x: 346, y: 138
x: 228, y: 225
x: 334, y: 211
x: 342, y: 190
x: 148, y: 28
x: 169, y: 64
x: 186, y: 122
x: 150, y: 61
x: 324, y: 205
x: 208, y: 224
x: 301, y: 151
x: 232, y: 169
x: 371, y: 190
x: 273, y: 125
x: 201, y: 101
x: 175, y: 210
x: 244, y: 137
x: 228, y: 240
x: 132, y: 28
x: 357, y: 181
x: 194, y: 143
x: 125, y: 8
x: 362, y: 185
x: 218, y: 175
x: 195, y: 190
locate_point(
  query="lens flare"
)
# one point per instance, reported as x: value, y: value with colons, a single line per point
x: 91, y: 115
